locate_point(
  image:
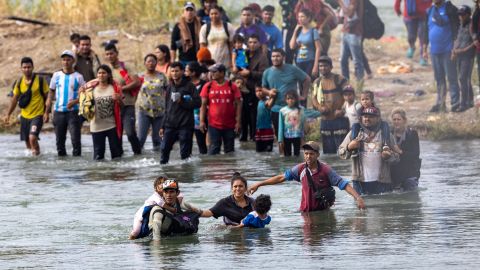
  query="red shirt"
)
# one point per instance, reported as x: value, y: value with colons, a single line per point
x: 221, y: 106
x: 422, y: 6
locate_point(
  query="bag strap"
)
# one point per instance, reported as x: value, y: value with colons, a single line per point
x: 310, y: 178
x: 31, y: 83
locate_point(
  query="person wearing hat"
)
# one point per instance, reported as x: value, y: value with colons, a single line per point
x: 33, y: 114
x: 317, y: 180
x: 185, y: 36
x: 464, y: 54
x: 65, y: 85
x: 327, y: 98
x: 371, y: 164
x: 223, y: 100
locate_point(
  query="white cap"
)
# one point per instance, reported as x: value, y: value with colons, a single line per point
x: 68, y: 53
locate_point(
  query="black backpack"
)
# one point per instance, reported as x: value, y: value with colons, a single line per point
x: 373, y: 27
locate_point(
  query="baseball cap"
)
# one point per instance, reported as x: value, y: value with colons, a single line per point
x: 170, y: 184
x: 217, y: 67
x: 348, y: 89
x: 67, y: 53
x: 189, y: 5
x: 371, y: 111
x: 325, y: 58
x: 311, y: 145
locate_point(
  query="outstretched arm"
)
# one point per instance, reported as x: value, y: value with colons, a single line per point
x: 270, y: 181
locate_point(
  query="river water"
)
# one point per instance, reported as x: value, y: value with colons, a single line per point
x: 77, y: 213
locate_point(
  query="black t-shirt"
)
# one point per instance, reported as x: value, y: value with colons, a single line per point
x: 232, y: 213
x: 191, y: 54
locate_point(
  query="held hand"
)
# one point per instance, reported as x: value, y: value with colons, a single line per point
x: 355, y: 144
x: 360, y: 203
x: 160, y: 132
x: 273, y: 92
x: 237, y: 128
x: 46, y: 117
x: 202, y: 127
x: 315, y: 71
x: 7, y: 119
x: 81, y: 89
x: 71, y: 103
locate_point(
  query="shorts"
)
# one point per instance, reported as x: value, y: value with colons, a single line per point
x: 30, y: 127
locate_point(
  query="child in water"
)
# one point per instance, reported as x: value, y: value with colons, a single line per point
x: 155, y: 199
x: 258, y: 218
x: 264, y: 135
x: 291, y: 122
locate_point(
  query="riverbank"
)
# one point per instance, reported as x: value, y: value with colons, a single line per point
x: 415, y: 91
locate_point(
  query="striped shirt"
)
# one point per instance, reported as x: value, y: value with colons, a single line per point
x: 66, y: 89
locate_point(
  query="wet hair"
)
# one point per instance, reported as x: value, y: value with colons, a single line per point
x: 111, y: 47
x: 269, y: 8
x: 294, y: 94
x: 255, y: 36
x: 109, y: 72
x: 400, y: 112
x: 26, y: 60
x: 279, y: 50
x: 196, y: 68
x: 238, y: 38
x: 150, y: 55
x: 85, y: 37
x: 165, y: 50
x: 159, y: 181
x: 237, y: 176
x: 307, y: 13
x: 74, y: 37
x: 262, y: 204
x: 177, y: 65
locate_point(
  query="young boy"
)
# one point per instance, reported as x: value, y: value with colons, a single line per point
x: 351, y: 107
x: 239, y: 56
x: 258, y: 218
x: 264, y: 131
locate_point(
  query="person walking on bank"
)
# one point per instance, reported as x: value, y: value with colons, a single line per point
x: 65, y: 85
x: 87, y: 61
x: 32, y: 111
x: 185, y: 36
x: 178, y: 123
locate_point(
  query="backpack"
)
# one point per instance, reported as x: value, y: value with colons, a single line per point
x: 225, y: 27
x: 183, y: 223
x: 128, y: 79
x: 373, y: 27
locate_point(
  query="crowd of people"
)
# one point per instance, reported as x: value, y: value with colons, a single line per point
x: 217, y: 82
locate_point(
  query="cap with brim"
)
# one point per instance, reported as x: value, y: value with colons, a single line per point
x: 348, y: 89
x: 371, y: 111
x: 67, y: 53
x: 311, y: 145
x: 217, y: 67
x: 464, y: 10
x: 326, y: 59
x: 189, y: 5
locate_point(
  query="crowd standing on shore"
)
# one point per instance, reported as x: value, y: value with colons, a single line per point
x: 217, y: 82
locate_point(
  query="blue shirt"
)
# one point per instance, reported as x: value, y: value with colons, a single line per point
x: 264, y: 119
x: 291, y: 123
x: 254, y: 221
x: 306, y: 43
x: 66, y: 88
x: 241, y: 60
x: 283, y: 79
x: 439, y: 30
x: 274, y: 36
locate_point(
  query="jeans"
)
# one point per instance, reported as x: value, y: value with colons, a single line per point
x: 201, y: 138
x: 99, y: 144
x: 71, y: 121
x: 367, y: 188
x: 128, y: 124
x: 170, y: 136
x: 352, y: 46
x: 217, y: 136
x: 288, y: 143
x: 144, y: 123
x: 464, y: 69
x: 415, y: 28
x: 443, y: 67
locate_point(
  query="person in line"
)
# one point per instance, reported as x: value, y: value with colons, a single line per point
x: 307, y: 43
x: 281, y: 78
x: 162, y: 52
x: 441, y: 30
x: 87, y: 61
x: 126, y: 77
x: 289, y: 22
x: 106, y: 122
x: 64, y: 85
x: 204, y: 13
x: 185, y: 36
x: 33, y: 114
x: 475, y: 30
x: 194, y: 71
x: 371, y: 166
x: 151, y: 102
x: 351, y: 108
x: 248, y: 26
x: 264, y: 130
x: 223, y: 100
x: 258, y: 218
x: 406, y: 172
x: 317, y: 179
x: 414, y: 16
x: 291, y: 125
x: 274, y: 35
x: 217, y: 36
x: 178, y: 123
x: 328, y: 99
x: 233, y: 208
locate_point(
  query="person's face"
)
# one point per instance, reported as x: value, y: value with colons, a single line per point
x: 238, y: 45
x: 188, y: 71
x: 176, y: 73
x: 247, y: 17
x: 259, y: 93
x: 290, y: 101
x: 349, y: 97
x: 150, y: 63
x: 277, y: 59
x: 369, y: 120
x: 217, y: 75
x: 238, y: 188
x: 366, y: 101
x: 111, y: 56
x: 170, y: 196
x: 267, y: 17
x: 398, y: 122
x: 438, y: 2
x: 189, y: 14
x: 310, y: 157
x: 302, y: 19
x: 324, y: 68
x: 239, y: 83
x: 85, y: 46
x: 253, y: 44
x: 67, y: 62
x: 214, y: 15
x: 27, y: 69
x: 159, y: 54
x: 102, y: 76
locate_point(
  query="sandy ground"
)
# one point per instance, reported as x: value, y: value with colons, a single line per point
x: 44, y: 44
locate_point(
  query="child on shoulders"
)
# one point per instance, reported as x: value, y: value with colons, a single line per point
x: 258, y: 218
x: 351, y: 107
x: 239, y: 55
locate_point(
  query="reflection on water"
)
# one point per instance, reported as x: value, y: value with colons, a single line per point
x: 74, y: 212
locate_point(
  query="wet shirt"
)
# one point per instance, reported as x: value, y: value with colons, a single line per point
x: 306, y: 43
x: 104, y: 118
x: 36, y: 107
x: 440, y: 32
x: 151, y: 98
x: 232, y: 213
x: 254, y: 221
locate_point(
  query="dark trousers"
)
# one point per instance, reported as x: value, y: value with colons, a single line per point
x: 264, y: 146
x: 216, y: 138
x: 201, y: 138
x: 333, y: 133
x: 275, y: 116
x: 249, y: 119
x: 287, y: 147
x: 128, y: 124
x: 71, y: 121
x: 464, y: 71
x: 99, y: 144
x: 170, y: 136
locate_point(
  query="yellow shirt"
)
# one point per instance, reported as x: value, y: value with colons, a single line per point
x: 36, y: 107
